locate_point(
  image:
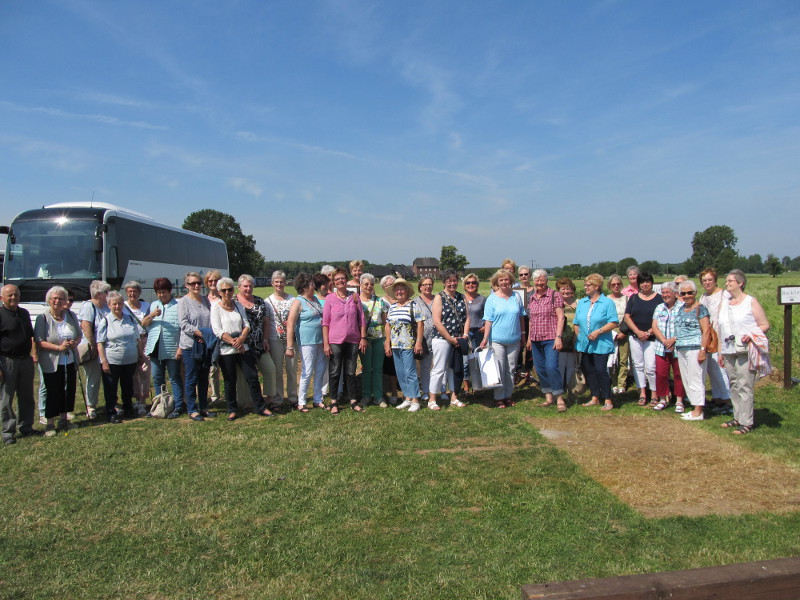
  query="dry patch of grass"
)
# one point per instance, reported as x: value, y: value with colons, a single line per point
x: 665, y: 467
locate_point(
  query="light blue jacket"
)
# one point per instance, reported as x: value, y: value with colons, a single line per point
x: 603, y: 313
x: 165, y: 330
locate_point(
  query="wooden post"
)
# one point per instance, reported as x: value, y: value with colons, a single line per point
x: 770, y: 579
x: 787, y: 295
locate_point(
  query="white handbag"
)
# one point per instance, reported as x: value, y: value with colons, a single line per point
x: 163, y: 404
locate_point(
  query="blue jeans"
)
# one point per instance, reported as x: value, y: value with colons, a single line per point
x: 406, y: 367
x: 595, y: 369
x: 159, y: 369
x: 195, y: 386
x: 545, y: 359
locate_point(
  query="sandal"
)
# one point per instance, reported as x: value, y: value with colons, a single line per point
x: 562, y: 406
x: 661, y: 405
x: 732, y: 424
x: 334, y: 409
x: 457, y: 403
x: 320, y: 405
x: 433, y: 406
x: 653, y: 403
x: 303, y: 409
x: 232, y: 417
x: 607, y: 407
x: 499, y: 404
x: 357, y: 407
x: 679, y: 407
x: 546, y: 403
x: 743, y: 429
x: 591, y: 403
x: 642, y: 401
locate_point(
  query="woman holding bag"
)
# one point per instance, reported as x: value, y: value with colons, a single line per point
x: 57, y: 334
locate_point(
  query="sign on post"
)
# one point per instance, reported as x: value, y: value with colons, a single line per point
x: 787, y: 296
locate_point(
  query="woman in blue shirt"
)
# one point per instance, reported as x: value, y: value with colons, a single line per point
x: 504, y: 317
x: 595, y: 319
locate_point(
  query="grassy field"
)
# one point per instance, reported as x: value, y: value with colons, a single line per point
x: 462, y: 503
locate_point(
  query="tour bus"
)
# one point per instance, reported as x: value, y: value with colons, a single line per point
x: 72, y: 244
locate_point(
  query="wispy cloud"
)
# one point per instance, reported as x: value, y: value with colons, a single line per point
x: 97, y: 118
x: 48, y: 154
x: 249, y: 136
x: 245, y: 185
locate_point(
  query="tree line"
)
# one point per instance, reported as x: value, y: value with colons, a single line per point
x: 714, y: 246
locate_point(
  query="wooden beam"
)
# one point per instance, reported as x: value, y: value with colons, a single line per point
x: 766, y: 580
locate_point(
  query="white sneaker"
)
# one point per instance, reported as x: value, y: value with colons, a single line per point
x: 690, y: 417
x: 414, y: 407
x: 404, y: 404
x: 383, y: 404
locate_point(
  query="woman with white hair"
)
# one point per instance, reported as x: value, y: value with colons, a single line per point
x: 280, y: 303
x: 258, y: 340
x: 194, y: 316
x: 57, y: 334
x: 664, y: 319
x: 118, y: 345
x: 744, y: 349
x: 139, y: 309
x: 546, y: 327
x: 91, y: 314
x: 375, y: 309
x: 230, y: 325
x: 632, y: 273
x: 692, y: 336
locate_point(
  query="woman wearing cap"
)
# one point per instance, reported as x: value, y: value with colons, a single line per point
x: 403, y: 333
x: 344, y: 335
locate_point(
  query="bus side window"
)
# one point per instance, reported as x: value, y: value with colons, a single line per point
x: 112, y: 269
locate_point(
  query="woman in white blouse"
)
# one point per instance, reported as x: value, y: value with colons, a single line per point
x: 230, y: 325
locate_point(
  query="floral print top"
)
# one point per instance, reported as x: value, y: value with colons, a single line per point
x: 255, y: 318
x: 280, y: 316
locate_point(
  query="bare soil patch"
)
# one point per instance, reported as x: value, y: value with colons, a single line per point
x: 665, y: 467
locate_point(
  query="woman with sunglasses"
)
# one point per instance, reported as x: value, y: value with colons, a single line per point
x: 475, y: 305
x: 744, y: 349
x: 621, y: 341
x: 230, y: 324
x: 692, y: 335
x: 194, y: 316
x: 424, y: 302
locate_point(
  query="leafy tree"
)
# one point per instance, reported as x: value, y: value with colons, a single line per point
x: 622, y: 266
x: 794, y: 264
x: 785, y: 261
x: 451, y: 259
x: 713, y: 247
x: 242, y: 254
x: 651, y: 266
x: 773, y: 265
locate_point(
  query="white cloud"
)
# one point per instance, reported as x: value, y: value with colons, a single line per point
x: 245, y: 185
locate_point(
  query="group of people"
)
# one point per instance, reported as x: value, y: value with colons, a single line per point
x: 422, y: 344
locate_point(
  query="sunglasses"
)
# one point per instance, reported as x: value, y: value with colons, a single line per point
x: 687, y: 293
x: 225, y: 290
x: 193, y: 283
x: 470, y: 283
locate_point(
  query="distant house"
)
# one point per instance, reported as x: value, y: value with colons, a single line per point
x: 426, y: 267
x: 404, y: 271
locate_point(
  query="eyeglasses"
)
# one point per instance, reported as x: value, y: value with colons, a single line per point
x: 616, y: 283
x: 193, y: 283
x: 213, y: 280
x: 225, y: 290
x: 469, y: 283
x: 524, y: 274
x: 58, y: 299
x: 689, y: 293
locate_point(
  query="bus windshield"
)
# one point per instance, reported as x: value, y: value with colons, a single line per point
x: 61, y: 248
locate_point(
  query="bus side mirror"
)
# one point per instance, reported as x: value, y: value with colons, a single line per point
x: 98, y: 244
x: 4, y: 229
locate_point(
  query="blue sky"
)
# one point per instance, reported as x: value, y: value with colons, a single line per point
x: 553, y: 132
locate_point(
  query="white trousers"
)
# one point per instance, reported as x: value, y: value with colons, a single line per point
x: 693, y: 375
x: 643, y: 355
x: 313, y: 364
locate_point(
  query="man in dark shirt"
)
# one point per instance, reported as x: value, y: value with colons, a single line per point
x: 17, y: 357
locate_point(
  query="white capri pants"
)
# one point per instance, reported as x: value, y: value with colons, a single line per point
x: 643, y: 355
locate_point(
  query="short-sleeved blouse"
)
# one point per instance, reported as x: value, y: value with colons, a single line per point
x: 542, y: 317
x: 425, y: 310
x: 454, y: 314
x: 373, y: 312
x: 688, y: 333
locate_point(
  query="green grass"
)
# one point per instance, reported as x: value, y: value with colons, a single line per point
x: 470, y: 503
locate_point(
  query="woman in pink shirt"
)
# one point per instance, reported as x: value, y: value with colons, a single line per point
x: 344, y: 335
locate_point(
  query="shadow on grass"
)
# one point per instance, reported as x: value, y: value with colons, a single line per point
x: 764, y: 417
